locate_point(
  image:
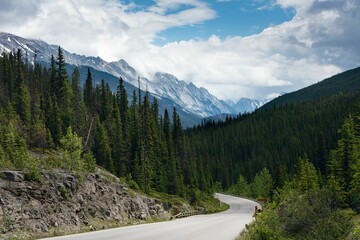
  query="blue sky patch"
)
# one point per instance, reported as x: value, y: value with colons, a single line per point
x: 234, y: 18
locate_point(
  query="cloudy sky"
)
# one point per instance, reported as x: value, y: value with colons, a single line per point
x: 234, y: 48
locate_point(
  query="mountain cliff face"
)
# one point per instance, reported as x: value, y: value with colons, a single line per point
x: 193, y: 102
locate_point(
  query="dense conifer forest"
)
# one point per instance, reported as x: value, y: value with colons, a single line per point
x: 47, y: 109
x: 274, y: 139
x: 48, y: 120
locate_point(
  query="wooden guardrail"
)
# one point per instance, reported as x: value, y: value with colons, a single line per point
x: 188, y: 214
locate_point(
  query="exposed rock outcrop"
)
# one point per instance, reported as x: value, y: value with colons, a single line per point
x: 64, y: 202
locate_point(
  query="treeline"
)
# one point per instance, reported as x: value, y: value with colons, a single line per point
x: 44, y: 108
x: 273, y: 139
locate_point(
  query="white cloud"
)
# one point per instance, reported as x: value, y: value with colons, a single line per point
x: 321, y: 40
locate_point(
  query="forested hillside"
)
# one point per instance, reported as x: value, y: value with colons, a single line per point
x: 343, y: 82
x: 274, y: 138
x: 46, y: 110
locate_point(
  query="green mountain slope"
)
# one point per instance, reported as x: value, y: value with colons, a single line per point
x: 344, y: 82
x: 305, y: 122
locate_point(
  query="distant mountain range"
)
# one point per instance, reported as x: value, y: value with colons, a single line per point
x: 192, y: 103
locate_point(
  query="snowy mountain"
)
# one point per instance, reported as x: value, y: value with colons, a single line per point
x: 192, y: 98
x: 246, y: 105
x: 10, y: 42
x: 185, y: 96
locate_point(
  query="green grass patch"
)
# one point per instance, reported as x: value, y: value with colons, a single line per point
x: 355, y: 232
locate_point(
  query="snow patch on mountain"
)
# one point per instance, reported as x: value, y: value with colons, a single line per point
x: 192, y: 98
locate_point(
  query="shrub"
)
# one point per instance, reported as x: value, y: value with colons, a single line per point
x: 313, y: 216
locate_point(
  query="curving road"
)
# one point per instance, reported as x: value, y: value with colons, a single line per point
x: 224, y: 225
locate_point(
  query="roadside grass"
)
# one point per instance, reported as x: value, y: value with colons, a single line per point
x: 179, y: 204
x: 355, y: 232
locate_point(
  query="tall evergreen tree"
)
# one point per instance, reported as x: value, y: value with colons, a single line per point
x: 117, y: 142
x: 102, y: 149
x: 343, y: 159
x: 22, y: 94
x: 123, y: 105
x: 79, y: 118
x: 61, y: 75
x: 52, y: 81
x: 89, y: 92
x: 308, y: 176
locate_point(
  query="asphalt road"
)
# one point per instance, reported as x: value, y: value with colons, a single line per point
x: 219, y: 226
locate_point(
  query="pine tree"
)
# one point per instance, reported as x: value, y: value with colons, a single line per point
x: 53, y: 122
x: 177, y: 134
x: 13, y: 145
x: 89, y: 93
x: 106, y: 98
x: 122, y: 100
x: 241, y: 188
x: 72, y: 150
x: 171, y: 162
x: 79, y: 119
x: 22, y: 100
x: 61, y: 75
x: 134, y: 126
x: 102, y: 149
x: 343, y: 159
x: 308, y: 179
x: 52, y: 81
x: 123, y: 105
x: 118, y: 146
x: 262, y: 184
x: 148, y: 144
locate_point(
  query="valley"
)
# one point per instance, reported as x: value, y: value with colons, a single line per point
x: 78, y: 154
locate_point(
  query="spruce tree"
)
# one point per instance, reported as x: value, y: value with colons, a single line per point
x: 52, y: 81
x: 102, y: 149
x: 79, y: 118
x: 72, y: 150
x: 89, y: 93
x: 61, y: 75
x: 308, y: 179
x: 22, y: 100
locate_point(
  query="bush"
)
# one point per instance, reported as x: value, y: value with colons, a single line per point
x: 266, y: 227
x: 89, y: 162
x: 33, y: 170
x: 313, y: 216
x: 133, y: 185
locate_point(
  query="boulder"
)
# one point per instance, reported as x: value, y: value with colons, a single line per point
x: 14, y: 176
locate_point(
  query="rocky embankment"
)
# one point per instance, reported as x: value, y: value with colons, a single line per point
x: 63, y: 202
